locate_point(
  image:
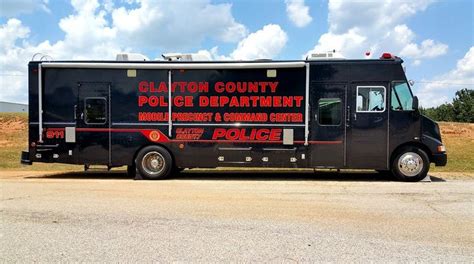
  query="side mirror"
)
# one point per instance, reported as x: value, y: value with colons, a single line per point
x: 415, y: 103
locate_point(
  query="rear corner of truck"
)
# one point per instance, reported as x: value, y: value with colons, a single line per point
x: 26, y: 155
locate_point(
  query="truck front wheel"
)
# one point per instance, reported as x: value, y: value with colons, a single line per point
x: 410, y: 164
x: 154, y: 163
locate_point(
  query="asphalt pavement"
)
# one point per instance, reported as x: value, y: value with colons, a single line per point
x: 244, y: 217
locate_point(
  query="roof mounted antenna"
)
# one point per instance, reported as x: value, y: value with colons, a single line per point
x: 44, y: 57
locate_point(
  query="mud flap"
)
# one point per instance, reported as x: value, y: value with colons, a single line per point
x: 133, y: 172
x: 138, y: 176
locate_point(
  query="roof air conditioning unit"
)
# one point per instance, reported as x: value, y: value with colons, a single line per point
x: 131, y: 57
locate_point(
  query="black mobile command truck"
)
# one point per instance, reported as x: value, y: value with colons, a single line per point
x: 157, y: 117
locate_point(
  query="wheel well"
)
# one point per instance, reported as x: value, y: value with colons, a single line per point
x: 410, y: 144
x: 160, y: 145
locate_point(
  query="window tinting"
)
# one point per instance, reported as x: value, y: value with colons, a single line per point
x: 370, y: 99
x: 95, y: 111
x: 402, y: 99
x: 329, y: 111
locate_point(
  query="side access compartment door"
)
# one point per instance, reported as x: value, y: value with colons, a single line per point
x: 93, y: 123
x: 367, y: 133
x: 327, y: 124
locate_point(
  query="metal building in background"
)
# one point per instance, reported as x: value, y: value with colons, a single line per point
x: 7, y: 107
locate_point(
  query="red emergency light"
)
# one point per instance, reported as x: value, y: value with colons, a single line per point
x: 386, y: 55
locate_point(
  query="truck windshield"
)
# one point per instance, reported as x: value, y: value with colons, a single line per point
x: 402, y: 98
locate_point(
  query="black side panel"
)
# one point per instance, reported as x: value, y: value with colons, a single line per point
x: 404, y: 127
x: 59, y: 97
x: 126, y: 136
x: 239, y: 146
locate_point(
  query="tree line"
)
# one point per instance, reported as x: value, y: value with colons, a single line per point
x: 461, y: 109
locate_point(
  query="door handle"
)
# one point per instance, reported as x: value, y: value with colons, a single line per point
x: 75, y: 112
x: 82, y: 116
x: 348, y: 116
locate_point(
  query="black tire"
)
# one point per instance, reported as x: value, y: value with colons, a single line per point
x: 406, y: 165
x: 154, y: 163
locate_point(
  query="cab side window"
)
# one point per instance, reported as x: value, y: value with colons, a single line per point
x: 95, y: 110
x: 402, y: 98
x: 370, y: 99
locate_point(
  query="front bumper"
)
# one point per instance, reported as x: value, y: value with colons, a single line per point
x: 440, y: 159
x: 25, y: 158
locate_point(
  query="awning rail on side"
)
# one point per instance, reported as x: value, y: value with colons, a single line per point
x: 178, y: 66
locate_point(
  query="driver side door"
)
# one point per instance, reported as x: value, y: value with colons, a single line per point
x: 367, y: 126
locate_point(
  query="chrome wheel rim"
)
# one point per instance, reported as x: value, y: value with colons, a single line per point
x: 410, y: 164
x: 153, y: 163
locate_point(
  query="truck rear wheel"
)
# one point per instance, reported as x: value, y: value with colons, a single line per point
x: 411, y: 164
x: 154, y: 163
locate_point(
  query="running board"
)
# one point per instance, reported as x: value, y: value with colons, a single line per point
x: 88, y: 167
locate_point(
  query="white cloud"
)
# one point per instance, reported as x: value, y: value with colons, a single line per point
x: 11, y: 8
x: 12, y: 76
x: 265, y: 43
x: 376, y: 26
x: 438, y: 90
x: 87, y: 36
x: 347, y: 43
x: 213, y: 54
x: 374, y: 14
x: 100, y: 30
x: 298, y: 12
x: 428, y: 49
x: 171, y: 25
x: 11, y: 32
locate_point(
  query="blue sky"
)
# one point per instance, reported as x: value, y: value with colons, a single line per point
x: 435, y: 38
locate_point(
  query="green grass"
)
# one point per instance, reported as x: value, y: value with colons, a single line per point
x: 458, y: 139
x: 13, y: 140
